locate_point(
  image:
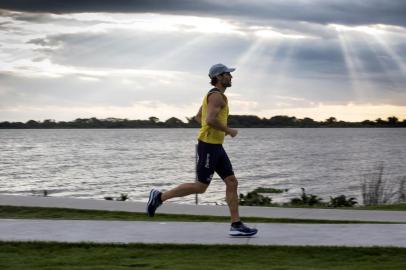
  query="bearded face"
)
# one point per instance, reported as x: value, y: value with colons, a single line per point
x: 225, y: 79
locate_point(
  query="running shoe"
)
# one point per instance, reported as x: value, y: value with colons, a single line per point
x: 242, y: 230
x: 154, y: 202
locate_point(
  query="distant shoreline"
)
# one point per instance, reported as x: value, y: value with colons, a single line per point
x: 237, y: 121
x: 71, y: 128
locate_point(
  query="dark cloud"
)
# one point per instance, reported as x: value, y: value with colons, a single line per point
x: 46, y: 18
x: 75, y: 6
x: 4, y: 25
x: 39, y: 41
x: 45, y: 42
x: 350, y: 12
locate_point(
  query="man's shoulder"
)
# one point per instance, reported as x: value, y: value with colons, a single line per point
x: 215, y: 91
x: 216, y: 96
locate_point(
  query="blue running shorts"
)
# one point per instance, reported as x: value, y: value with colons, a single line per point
x: 212, y: 158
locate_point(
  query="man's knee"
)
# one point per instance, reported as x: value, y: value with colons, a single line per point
x: 201, y: 188
x: 231, y: 181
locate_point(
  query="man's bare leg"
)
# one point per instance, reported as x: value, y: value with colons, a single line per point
x: 232, y: 197
x: 184, y: 190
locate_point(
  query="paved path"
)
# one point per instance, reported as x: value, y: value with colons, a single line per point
x: 171, y: 208
x: 202, y: 233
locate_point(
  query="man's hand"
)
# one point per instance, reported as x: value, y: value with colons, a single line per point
x: 232, y: 132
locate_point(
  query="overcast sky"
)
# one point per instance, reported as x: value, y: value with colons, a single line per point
x: 134, y: 59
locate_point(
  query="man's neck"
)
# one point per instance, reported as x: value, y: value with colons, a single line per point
x: 221, y: 88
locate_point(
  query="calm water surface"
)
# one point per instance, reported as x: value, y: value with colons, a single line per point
x: 94, y: 163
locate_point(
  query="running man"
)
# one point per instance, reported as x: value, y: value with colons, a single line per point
x: 212, y: 116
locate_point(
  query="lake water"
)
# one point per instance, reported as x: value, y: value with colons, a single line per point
x: 94, y: 163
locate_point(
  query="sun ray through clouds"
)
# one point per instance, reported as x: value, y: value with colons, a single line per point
x: 391, y: 52
x: 278, y: 63
x: 354, y: 67
x: 370, y: 43
x: 176, y: 53
x: 250, y: 55
x: 384, y: 67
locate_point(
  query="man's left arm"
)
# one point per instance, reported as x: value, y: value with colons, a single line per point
x: 198, y: 116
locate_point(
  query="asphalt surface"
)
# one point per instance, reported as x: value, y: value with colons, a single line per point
x: 202, y: 233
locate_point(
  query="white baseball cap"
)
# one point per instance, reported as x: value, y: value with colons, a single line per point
x: 217, y: 69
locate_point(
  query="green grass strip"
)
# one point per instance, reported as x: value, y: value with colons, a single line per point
x: 16, y: 212
x: 63, y: 256
x: 384, y: 207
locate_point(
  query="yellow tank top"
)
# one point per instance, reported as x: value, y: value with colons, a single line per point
x: 208, y: 134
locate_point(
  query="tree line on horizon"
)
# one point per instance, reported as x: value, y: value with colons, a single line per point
x: 237, y: 121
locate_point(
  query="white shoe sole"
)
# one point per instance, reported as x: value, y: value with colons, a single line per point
x: 237, y: 233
